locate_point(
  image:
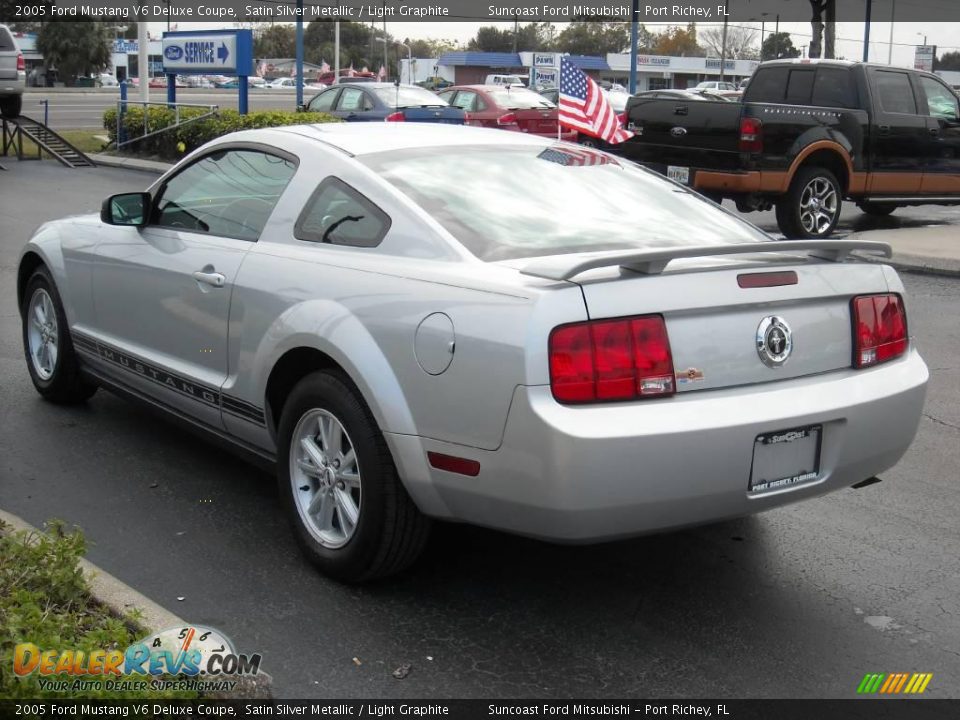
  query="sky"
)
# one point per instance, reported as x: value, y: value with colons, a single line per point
x: 906, y: 35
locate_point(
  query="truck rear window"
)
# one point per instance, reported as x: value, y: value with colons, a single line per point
x: 823, y: 86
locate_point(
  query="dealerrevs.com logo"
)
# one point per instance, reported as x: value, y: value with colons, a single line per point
x: 182, y: 658
x: 894, y: 683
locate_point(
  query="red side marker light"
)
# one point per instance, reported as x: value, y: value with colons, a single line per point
x: 454, y: 464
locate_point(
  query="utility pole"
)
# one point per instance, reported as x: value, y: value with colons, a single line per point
x: 634, y: 31
x: 516, y: 28
x: 336, y: 52
x: 893, y: 12
x: 386, y: 62
x: 143, y: 70
x: 866, y: 32
x: 723, y: 42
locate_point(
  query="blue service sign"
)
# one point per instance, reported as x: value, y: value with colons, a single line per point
x: 215, y: 52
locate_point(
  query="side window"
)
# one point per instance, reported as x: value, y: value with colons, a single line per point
x: 895, y: 93
x: 767, y: 85
x: 800, y: 87
x: 941, y: 102
x: 229, y: 193
x: 448, y: 95
x: 339, y: 215
x: 324, y: 101
x: 351, y: 100
x: 466, y: 101
x: 833, y: 87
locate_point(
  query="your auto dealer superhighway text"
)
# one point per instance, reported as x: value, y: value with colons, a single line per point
x: 609, y: 709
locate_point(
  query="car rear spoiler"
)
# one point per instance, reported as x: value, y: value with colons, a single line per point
x: 653, y: 262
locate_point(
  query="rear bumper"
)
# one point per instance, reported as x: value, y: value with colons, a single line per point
x: 581, y: 474
x: 734, y: 182
x: 14, y: 87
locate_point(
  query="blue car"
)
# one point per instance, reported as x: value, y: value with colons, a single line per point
x: 385, y: 102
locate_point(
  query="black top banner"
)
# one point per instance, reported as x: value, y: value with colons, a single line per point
x: 872, y: 709
x: 646, y: 11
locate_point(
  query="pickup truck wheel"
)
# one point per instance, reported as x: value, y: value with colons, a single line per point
x: 51, y: 360
x: 877, y: 209
x: 350, y: 513
x: 811, y: 207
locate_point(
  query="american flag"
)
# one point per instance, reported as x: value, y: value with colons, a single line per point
x: 584, y: 108
x: 576, y: 157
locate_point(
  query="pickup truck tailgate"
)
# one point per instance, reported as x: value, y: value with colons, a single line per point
x: 689, y: 133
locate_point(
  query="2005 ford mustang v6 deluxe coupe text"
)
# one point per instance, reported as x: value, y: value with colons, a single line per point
x: 419, y: 322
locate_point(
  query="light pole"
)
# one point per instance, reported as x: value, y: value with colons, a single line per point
x: 893, y: 12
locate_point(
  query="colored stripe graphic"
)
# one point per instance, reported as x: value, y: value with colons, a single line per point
x: 894, y: 683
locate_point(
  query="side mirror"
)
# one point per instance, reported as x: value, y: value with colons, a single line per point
x: 126, y: 209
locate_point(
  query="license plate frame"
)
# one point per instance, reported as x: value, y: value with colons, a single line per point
x: 679, y: 174
x: 785, y: 459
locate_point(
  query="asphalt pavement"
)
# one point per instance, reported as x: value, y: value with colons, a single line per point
x: 797, y: 602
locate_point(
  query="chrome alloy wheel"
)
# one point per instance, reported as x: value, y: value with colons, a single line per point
x: 818, y: 206
x: 42, y: 334
x: 326, y: 478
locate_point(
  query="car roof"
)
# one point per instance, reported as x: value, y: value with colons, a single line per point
x: 374, y: 85
x: 367, y: 138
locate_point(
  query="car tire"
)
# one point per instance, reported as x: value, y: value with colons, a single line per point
x: 353, y: 518
x: 877, y: 209
x: 51, y: 358
x: 11, y: 106
x: 811, y: 207
x: 589, y: 142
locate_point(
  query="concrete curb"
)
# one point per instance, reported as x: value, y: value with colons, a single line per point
x: 121, y: 599
x: 151, y: 166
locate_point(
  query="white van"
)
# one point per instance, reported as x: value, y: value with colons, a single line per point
x: 505, y: 80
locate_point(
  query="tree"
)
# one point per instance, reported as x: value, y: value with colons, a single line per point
x: 359, y: 46
x: 949, y: 61
x: 740, y: 42
x: 75, y: 48
x: 594, y: 37
x: 778, y: 45
x: 824, y: 16
x: 678, y: 42
x: 430, y: 47
x: 25, y: 26
x: 276, y: 41
x: 532, y: 36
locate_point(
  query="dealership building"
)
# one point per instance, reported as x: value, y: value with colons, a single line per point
x: 654, y: 72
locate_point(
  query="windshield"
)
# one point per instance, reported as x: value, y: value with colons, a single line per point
x: 505, y: 202
x: 518, y: 99
x: 405, y: 96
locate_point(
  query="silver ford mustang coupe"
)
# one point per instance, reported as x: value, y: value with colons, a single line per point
x: 412, y: 322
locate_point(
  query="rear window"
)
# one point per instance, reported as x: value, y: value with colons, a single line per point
x: 800, y: 87
x: 767, y: 85
x: 6, y: 41
x: 834, y: 87
x: 518, y: 99
x: 505, y: 202
x: 896, y: 95
x: 402, y: 97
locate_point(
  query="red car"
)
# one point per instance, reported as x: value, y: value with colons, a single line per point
x: 508, y: 108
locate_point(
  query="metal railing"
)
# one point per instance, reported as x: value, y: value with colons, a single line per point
x: 123, y: 139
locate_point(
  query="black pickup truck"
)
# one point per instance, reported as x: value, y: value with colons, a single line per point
x: 807, y: 135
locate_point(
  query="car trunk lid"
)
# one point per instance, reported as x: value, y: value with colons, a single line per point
x: 433, y: 113
x: 715, y: 308
x: 536, y: 121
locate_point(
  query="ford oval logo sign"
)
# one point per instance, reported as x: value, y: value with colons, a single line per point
x: 173, y: 52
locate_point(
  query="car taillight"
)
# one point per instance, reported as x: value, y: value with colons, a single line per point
x: 879, y: 329
x: 751, y: 135
x: 21, y: 64
x: 604, y: 360
x: 508, y: 119
x: 395, y: 117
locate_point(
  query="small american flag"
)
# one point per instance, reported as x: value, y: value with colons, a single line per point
x: 584, y: 108
x: 576, y: 157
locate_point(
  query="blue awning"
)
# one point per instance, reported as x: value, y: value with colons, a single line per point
x: 481, y: 59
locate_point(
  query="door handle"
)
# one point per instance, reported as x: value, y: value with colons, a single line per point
x: 680, y: 110
x: 884, y: 129
x: 934, y: 131
x: 215, y: 279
